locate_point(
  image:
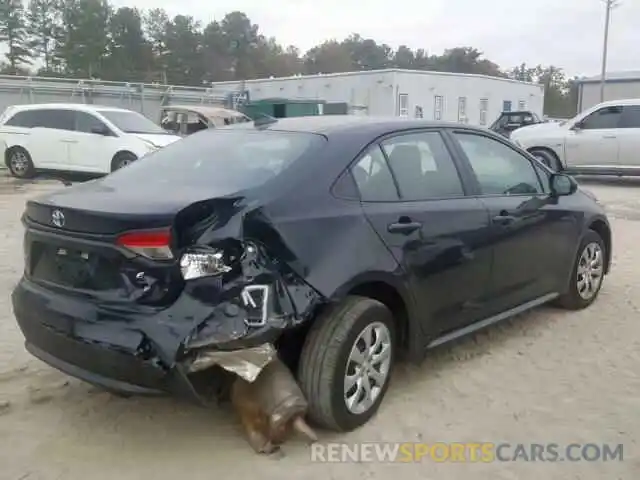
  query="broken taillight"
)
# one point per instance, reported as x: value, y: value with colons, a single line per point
x: 153, y: 244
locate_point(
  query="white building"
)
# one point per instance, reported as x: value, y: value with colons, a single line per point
x: 474, y: 99
x: 617, y: 86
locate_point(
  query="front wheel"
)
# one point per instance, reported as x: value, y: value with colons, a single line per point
x: 20, y: 163
x: 122, y: 160
x: 587, y: 275
x: 346, y: 363
x: 547, y: 158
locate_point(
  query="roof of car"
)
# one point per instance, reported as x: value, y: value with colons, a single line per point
x: 328, y: 124
x: 68, y: 106
x: 206, y: 110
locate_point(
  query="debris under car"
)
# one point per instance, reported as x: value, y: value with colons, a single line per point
x: 247, y: 250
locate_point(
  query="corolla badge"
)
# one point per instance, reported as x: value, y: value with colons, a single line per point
x: 57, y: 218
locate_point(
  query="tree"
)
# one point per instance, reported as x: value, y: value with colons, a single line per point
x: 13, y: 32
x: 155, y: 28
x: 241, y: 39
x: 84, y: 37
x: 44, y: 19
x: 130, y: 54
x: 183, y: 56
x: 328, y: 57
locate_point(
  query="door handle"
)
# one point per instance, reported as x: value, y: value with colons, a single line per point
x: 70, y: 141
x: 404, y: 227
x: 608, y: 136
x: 503, y: 218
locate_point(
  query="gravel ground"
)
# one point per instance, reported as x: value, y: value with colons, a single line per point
x: 548, y: 376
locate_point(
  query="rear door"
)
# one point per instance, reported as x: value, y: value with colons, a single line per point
x: 533, y: 234
x: 413, y: 195
x: 48, y: 143
x: 629, y: 137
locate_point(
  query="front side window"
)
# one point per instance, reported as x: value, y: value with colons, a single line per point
x: 422, y: 166
x: 132, y: 122
x: 373, y: 177
x: 87, y: 123
x: 605, y: 118
x: 219, y: 160
x: 499, y: 169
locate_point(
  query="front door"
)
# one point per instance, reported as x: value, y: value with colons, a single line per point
x: 594, y: 141
x: 531, y: 232
x: 92, y: 144
x: 412, y: 194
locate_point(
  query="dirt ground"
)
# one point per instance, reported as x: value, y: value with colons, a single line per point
x: 548, y: 376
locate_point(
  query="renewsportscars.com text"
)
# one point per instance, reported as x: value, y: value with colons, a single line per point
x: 486, y: 452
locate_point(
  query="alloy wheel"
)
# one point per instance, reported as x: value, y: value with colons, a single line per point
x: 590, y: 270
x: 19, y: 163
x: 368, y: 368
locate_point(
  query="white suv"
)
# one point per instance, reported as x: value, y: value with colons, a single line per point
x: 603, y: 140
x: 76, y: 138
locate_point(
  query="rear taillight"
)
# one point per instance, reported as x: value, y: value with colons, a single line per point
x: 153, y: 244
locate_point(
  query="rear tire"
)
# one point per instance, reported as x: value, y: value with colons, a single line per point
x: 548, y: 158
x: 122, y: 159
x: 332, y: 373
x: 587, y: 275
x: 19, y: 163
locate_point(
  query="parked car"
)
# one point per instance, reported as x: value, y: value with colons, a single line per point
x: 346, y: 242
x: 507, y: 122
x: 76, y: 138
x: 187, y: 119
x: 603, y: 140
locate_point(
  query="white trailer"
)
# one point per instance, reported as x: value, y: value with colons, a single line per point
x: 472, y: 99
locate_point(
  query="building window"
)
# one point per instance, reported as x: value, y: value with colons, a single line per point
x: 484, y: 106
x: 522, y: 105
x: 403, y: 103
x: 438, y: 102
x: 462, y: 109
x: 506, y: 106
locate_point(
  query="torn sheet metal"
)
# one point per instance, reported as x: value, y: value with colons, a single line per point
x: 246, y: 363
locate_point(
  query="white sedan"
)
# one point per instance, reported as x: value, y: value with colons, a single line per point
x: 76, y: 138
x: 603, y: 140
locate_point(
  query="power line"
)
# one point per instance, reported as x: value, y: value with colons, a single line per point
x: 609, y: 5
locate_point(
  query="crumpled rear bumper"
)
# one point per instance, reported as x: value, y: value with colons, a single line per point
x: 137, y: 351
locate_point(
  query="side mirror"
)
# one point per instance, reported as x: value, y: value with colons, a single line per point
x: 577, y: 126
x: 103, y: 130
x: 562, y: 185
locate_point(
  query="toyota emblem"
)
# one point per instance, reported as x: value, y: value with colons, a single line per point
x: 57, y: 218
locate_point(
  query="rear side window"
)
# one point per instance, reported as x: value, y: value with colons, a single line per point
x: 25, y: 119
x: 373, y: 177
x: 630, y: 117
x: 219, y: 160
x: 45, y: 118
x: 423, y: 167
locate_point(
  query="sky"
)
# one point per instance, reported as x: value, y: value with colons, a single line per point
x: 565, y: 33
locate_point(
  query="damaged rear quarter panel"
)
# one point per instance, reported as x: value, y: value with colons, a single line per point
x: 311, y: 248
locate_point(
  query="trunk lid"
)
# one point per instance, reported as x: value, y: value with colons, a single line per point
x: 98, y: 208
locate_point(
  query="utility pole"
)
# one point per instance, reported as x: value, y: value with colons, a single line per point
x: 609, y: 5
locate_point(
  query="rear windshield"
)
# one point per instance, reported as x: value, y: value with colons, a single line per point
x: 221, y: 159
